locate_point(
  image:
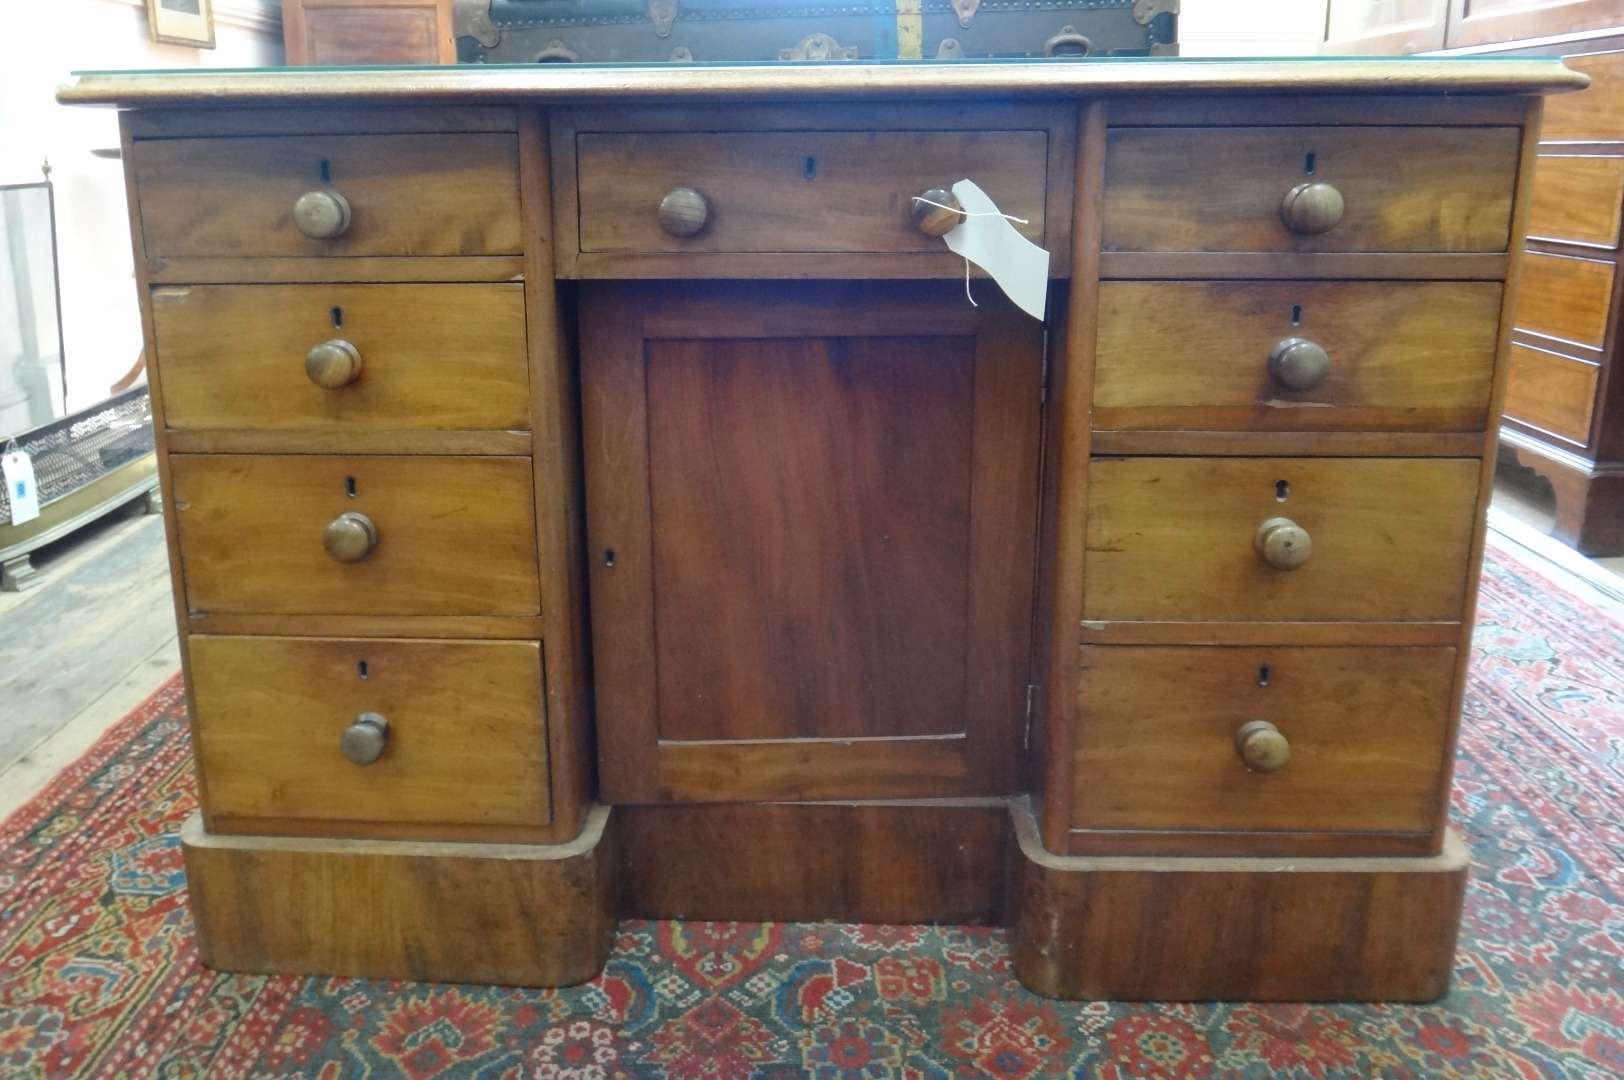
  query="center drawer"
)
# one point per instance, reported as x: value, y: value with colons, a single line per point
x: 455, y: 729
x: 281, y: 534
x: 808, y: 191
x: 1224, y: 539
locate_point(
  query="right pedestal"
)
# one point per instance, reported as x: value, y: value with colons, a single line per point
x: 1235, y: 929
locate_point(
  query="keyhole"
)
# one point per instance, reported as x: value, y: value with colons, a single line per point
x: 1281, y: 490
x: 1309, y: 164
x: 811, y: 168
x: 1296, y: 314
x: 349, y: 486
x: 361, y: 669
x: 326, y: 172
x: 338, y: 318
x: 1263, y: 674
x: 609, y: 557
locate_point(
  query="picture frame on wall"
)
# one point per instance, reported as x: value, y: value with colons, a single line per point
x: 182, y: 22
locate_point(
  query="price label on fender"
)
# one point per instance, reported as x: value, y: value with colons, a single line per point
x: 18, y: 470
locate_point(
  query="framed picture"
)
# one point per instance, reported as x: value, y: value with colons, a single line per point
x: 182, y: 22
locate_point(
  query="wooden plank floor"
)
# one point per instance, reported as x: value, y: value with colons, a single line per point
x: 81, y: 650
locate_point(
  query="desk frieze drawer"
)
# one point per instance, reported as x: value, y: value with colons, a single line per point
x: 371, y: 738
x: 372, y: 535
x: 1313, y: 356
x: 343, y: 358
x: 804, y: 191
x: 1307, y: 189
x: 1278, y: 539
x: 1275, y: 741
x: 440, y: 194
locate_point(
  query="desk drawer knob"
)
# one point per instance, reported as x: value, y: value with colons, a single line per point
x: 937, y: 212
x: 350, y: 537
x: 322, y: 215
x: 1282, y: 543
x: 1311, y: 209
x: 683, y: 212
x: 363, y: 742
x: 1261, y: 746
x: 1299, y: 364
x: 334, y: 364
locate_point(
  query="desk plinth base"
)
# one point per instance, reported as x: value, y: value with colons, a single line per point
x: 504, y: 914
x: 1235, y: 929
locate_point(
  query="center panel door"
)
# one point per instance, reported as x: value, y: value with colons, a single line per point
x: 811, y: 512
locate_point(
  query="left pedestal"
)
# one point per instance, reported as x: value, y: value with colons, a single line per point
x: 504, y: 914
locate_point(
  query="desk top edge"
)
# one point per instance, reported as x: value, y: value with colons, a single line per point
x: 670, y: 83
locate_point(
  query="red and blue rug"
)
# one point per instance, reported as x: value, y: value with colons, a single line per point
x: 99, y: 974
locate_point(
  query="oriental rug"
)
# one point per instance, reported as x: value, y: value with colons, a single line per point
x: 99, y: 974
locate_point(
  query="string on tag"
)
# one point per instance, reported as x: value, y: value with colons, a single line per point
x: 970, y: 213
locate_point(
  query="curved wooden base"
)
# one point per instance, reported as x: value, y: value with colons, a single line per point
x: 1235, y: 929
x: 1589, y: 495
x: 505, y: 914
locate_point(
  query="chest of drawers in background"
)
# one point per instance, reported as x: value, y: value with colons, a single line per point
x: 1176, y: 581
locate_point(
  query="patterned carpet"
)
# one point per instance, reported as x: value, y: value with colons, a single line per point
x: 99, y: 974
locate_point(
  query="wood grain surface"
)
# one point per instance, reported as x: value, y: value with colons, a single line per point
x: 1578, y: 200
x: 456, y: 535
x: 1156, y: 739
x: 1171, y: 538
x: 1594, y: 115
x: 1194, y: 355
x: 509, y: 915
x: 1552, y: 392
x: 467, y: 740
x: 1220, y: 189
x: 1566, y: 298
x: 433, y: 357
x: 1168, y: 929
x: 410, y: 194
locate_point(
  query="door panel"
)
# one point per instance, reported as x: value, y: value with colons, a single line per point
x: 811, y: 515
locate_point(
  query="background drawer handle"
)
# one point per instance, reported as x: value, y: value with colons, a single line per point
x: 363, y: 742
x: 928, y: 214
x: 350, y: 537
x: 1312, y: 208
x: 1261, y: 746
x: 337, y: 363
x: 322, y: 215
x: 1282, y: 543
x: 1299, y: 364
x: 683, y: 212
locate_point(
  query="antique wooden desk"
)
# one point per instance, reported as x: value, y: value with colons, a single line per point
x: 592, y: 496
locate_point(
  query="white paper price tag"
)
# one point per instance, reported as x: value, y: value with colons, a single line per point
x: 18, y: 470
x: 1020, y: 267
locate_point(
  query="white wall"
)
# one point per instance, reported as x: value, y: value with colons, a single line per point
x: 1251, y: 27
x: 43, y: 42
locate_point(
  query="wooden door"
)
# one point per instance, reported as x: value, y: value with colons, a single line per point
x: 811, y: 518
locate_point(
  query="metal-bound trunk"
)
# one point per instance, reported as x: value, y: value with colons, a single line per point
x: 700, y: 31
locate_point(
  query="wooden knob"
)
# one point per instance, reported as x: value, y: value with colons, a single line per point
x: 1310, y: 209
x: 683, y: 212
x: 333, y: 364
x: 1299, y: 364
x: 1282, y: 543
x: 322, y: 215
x: 1261, y: 746
x: 941, y: 218
x: 350, y: 537
x: 363, y: 742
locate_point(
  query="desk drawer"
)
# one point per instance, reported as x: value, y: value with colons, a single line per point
x: 452, y: 536
x: 272, y: 357
x: 406, y: 195
x: 1363, y: 731
x: 463, y: 740
x: 1185, y: 538
x: 1326, y: 356
x: 811, y: 191
x: 1227, y: 189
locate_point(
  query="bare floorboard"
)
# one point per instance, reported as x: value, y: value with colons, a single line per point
x: 102, y: 614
